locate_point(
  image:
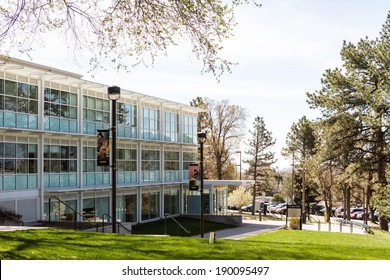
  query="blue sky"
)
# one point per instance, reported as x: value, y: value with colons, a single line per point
x: 282, y: 48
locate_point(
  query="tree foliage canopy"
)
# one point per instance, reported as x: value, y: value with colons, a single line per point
x: 123, y: 32
x: 355, y: 103
x: 260, y: 156
x: 224, y: 124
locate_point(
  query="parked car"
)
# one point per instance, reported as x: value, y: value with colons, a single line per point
x: 356, y: 211
x: 352, y: 213
x: 247, y: 208
x: 274, y: 206
x: 281, y: 209
x: 361, y: 215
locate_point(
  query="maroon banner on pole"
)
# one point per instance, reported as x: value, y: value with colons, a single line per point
x: 194, y: 176
x: 103, y: 148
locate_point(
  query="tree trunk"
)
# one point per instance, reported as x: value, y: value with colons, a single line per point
x: 348, y: 210
x: 381, y: 170
x: 384, y: 223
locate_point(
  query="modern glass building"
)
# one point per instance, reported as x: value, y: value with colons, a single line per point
x: 49, y: 120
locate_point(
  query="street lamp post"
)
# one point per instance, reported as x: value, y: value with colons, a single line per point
x: 239, y: 152
x: 201, y: 139
x: 114, y: 93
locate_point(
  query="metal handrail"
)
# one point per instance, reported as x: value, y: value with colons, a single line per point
x: 12, y: 218
x: 74, y: 211
x: 169, y: 216
x: 118, y: 223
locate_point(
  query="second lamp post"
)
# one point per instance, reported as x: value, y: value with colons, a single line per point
x: 201, y: 139
x: 114, y: 93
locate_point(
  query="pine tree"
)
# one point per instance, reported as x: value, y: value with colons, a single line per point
x: 361, y: 90
x: 261, y: 158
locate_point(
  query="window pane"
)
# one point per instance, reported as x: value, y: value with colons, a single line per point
x: 10, y: 103
x: 73, y: 99
x: 64, y: 97
x: 33, y: 107
x: 10, y: 88
x: 54, y: 95
x: 23, y: 90
x: 33, y: 92
x: 21, y: 150
x: 9, y: 150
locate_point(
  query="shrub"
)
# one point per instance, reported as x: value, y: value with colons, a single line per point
x: 294, y: 223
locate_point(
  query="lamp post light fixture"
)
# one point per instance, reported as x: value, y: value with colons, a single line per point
x: 114, y: 94
x: 239, y: 152
x: 201, y: 139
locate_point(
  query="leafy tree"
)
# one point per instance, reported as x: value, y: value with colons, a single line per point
x: 261, y: 158
x: 361, y: 90
x: 123, y: 32
x: 239, y: 197
x: 225, y: 124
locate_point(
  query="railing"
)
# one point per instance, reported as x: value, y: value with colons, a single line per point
x: 75, y: 212
x: 167, y: 215
x: 11, y: 218
x: 352, y: 224
x: 118, y: 223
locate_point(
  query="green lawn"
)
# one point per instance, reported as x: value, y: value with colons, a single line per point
x: 54, y: 244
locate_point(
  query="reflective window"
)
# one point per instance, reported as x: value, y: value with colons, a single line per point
x: 96, y: 114
x: 150, y: 206
x: 18, y: 105
x: 60, y: 110
x: 126, y: 120
x: 188, y: 157
x: 189, y: 129
x: 171, y: 202
x: 171, y: 166
x: 150, y: 165
x: 60, y: 163
x: 171, y: 127
x: 126, y: 161
x: 18, y: 166
x: 150, y: 124
x: 93, y: 174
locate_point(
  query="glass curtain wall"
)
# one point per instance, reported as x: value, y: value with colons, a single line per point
x: 18, y: 105
x: 18, y: 166
x: 126, y: 166
x: 171, y: 166
x: 127, y: 208
x: 150, y: 205
x: 126, y: 120
x: 95, y: 208
x: 171, y: 133
x: 150, y: 165
x: 60, y: 110
x: 60, y: 166
x: 188, y: 157
x: 190, y: 129
x: 93, y: 175
x: 59, y: 211
x: 171, y: 201
x: 96, y: 114
x: 150, y: 124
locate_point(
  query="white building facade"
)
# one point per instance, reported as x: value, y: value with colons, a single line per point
x: 49, y: 120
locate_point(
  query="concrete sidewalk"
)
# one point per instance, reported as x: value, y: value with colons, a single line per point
x: 13, y: 228
x: 255, y: 227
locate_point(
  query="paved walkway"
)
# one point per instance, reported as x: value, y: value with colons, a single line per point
x: 255, y: 227
x: 13, y: 228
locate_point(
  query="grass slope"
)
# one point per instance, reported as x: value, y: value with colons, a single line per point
x: 54, y: 244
